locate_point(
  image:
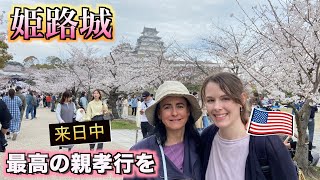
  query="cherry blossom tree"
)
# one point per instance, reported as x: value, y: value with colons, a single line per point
x: 128, y: 72
x: 116, y: 73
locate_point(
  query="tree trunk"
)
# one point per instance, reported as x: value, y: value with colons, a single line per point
x: 302, y: 119
x: 113, y: 97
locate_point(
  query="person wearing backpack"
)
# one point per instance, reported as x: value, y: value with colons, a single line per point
x: 228, y: 152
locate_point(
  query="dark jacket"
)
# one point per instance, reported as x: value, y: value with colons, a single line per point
x: 23, y: 99
x: 5, y: 116
x: 314, y: 109
x: 191, y: 165
x: 279, y: 160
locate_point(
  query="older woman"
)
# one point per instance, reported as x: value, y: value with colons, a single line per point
x: 175, y: 138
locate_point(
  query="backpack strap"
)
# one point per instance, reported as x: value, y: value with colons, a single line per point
x: 261, y: 153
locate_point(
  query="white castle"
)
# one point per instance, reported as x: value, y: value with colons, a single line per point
x: 149, y: 43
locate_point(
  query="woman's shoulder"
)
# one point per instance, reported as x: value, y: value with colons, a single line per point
x: 270, y: 143
x: 210, y: 130
x: 91, y: 102
x: 147, y: 143
x: 268, y: 139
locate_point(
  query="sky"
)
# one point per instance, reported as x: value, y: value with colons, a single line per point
x: 183, y: 21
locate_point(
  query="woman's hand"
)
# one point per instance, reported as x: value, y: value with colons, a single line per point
x: 4, y: 131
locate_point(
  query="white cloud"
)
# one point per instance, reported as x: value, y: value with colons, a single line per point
x: 185, y: 21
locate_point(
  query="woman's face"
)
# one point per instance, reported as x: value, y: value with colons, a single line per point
x: 96, y: 95
x: 221, y: 108
x: 174, y: 112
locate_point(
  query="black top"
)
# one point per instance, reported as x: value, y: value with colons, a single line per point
x: 5, y: 116
x: 314, y: 109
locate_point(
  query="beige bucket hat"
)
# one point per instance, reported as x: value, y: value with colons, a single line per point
x: 173, y: 88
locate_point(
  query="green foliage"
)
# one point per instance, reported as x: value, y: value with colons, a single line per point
x: 4, y: 55
x: 53, y: 60
x: 30, y: 82
x: 123, y: 124
x: 194, y: 87
x: 30, y: 61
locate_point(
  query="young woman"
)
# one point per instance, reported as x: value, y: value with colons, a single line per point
x: 175, y: 138
x: 96, y: 107
x: 65, y: 112
x: 228, y: 151
x: 14, y: 104
x: 125, y: 108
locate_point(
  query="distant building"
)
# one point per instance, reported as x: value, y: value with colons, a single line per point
x: 13, y: 66
x: 149, y: 43
x: 12, y: 73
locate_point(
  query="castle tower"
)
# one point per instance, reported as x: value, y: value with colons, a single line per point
x: 149, y: 43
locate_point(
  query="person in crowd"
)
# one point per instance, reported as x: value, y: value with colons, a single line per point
x: 138, y: 118
x: 30, y: 106
x: 226, y: 143
x: 53, y: 102
x: 48, y: 100
x: 23, y: 100
x: 125, y: 108
x: 134, y: 105
x: 314, y: 109
x: 146, y: 128
x: 313, y: 158
x: 44, y: 101
x: 5, y: 124
x: 175, y: 140
x: 14, y: 105
x: 66, y: 112
x: 83, y: 101
x: 35, y: 103
x: 40, y: 98
x: 205, y: 119
x: 96, y: 107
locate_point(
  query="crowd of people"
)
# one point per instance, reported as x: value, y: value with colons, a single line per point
x: 176, y: 124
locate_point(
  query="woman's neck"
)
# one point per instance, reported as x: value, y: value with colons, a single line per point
x: 97, y: 99
x: 174, y: 137
x: 236, y: 131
